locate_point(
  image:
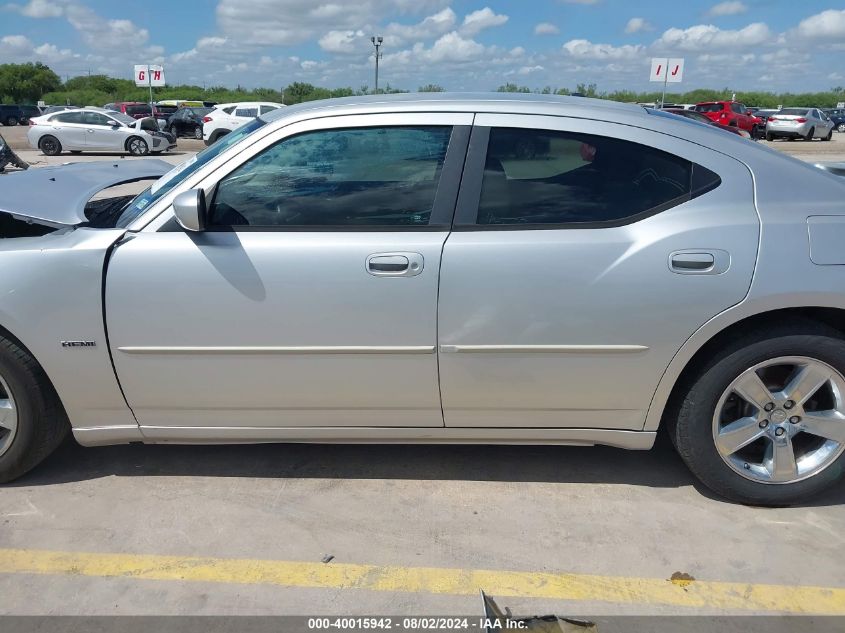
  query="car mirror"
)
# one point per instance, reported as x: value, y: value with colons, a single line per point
x: 190, y: 210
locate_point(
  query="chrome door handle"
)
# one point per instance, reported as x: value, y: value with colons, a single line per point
x: 699, y: 262
x: 395, y: 264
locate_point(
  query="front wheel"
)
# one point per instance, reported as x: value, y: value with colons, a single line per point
x: 829, y: 136
x: 764, y: 421
x: 198, y: 133
x: 137, y: 146
x: 840, y: 127
x: 770, y: 137
x: 32, y: 420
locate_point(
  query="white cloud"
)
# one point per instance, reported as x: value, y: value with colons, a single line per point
x: 704, y: 36
x: 343, y: 42
x: 103, y: 34
x: 39, y: 9
x: 727, y: 8
x: 589, y: 50
x: 432, y: 26
x: 485, y: 18
x: 828, y: 24
x: 546, y: 28
x: 636, y: 25
x: 527, y: 70
x: 19, y: 48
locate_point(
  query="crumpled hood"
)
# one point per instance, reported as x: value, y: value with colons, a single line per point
x: 57, y: 196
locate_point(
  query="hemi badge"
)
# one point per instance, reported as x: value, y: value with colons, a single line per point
x: 79, y: 344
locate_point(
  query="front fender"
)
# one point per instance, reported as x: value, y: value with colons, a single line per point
x: 51, y: 289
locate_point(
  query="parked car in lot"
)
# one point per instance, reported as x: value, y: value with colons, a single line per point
x: 96, y: 129
x: 731, y: 113
x: 187, y: 122
x: 228, y: 116
x: 10, y: 115
x: 642, y: 269
x: 795, y: 123
x: 28, y: 112
x: 701, y: 118
x: 135, y: 109
x: 837, y: 116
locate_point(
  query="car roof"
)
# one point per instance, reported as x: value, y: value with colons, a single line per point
x: 499, y: 102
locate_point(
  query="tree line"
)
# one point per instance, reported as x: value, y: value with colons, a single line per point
x: 32, y: 82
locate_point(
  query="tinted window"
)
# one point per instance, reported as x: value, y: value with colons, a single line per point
x: 267, y: 108
x: 95, y: 118
x: 136, y: 110
x: 229, y: 110
x: 546, y: 177
x: 709, y: 107
x: 352, y: 177
x: 248, y: 112
x: 795, y: 112
x: 69, y: 117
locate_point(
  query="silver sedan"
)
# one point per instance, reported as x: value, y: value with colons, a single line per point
x: 794, y: 123
x: 483, y: 269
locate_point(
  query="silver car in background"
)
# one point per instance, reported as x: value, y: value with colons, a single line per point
x: 795, y: 123
x: 491, y: 269
x: 97, y: 129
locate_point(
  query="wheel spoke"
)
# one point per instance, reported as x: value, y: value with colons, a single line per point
x: 827, y: 424
x: 808, y: 381
x: 751, y: 389
x: 8, y: 415
x: 738, y: 434
x: 780, y: 459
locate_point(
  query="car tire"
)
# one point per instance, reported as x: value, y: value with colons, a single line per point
x: 700, y: 402
x: 829, y: 135
x: 841, y: 127
x: 50, y: 145
x: 217, y: 135
x: 137, y: 146
x: 810, y: 134
x: 172, y: 130
x: 11, y: 121
x: 198, y: 133
x: 34, y: 421
x: 770, y: 137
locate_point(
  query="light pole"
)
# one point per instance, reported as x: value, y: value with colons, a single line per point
x: 377, y: 40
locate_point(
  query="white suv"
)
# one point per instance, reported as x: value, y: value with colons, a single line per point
x: 228, y: 116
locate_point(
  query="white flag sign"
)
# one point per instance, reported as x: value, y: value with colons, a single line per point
x: 668, y: 69
x: 149, y: 75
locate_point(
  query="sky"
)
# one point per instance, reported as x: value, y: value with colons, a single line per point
x: 458, y: 44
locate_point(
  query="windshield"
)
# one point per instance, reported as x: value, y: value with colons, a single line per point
x: 119, y: 116
x: 135, y: 110
x: 176, y: 175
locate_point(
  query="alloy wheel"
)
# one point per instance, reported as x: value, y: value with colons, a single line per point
x: 8, y: 417
x: 782, y: 420
x: 138, y: 147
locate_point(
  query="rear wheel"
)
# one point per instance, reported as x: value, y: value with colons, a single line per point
x: 32, y: 420
x: 198, y: 133
x: 764, y: 421
x: 841, y: 127
x: 12, y: 121
x: 50, y: 145
x: 137, y: 146
x: 810, y: 134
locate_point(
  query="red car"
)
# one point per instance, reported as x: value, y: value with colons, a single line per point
x: 731, y: 113
x: 701, y: 118
x: 135, y: 109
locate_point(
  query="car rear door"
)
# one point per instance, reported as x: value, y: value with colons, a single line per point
x: 583, y: 255
x: 69, y: 128
x: 311, y: 299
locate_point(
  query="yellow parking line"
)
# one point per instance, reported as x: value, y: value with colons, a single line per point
x: 576, y: 587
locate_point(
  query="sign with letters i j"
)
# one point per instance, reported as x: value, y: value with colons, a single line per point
x: 670, y: 70
x: 149, y: 75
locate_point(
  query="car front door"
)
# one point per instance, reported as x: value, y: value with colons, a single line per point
x: 311, y: 299
x: 100, y: 133
x: 583, y: 255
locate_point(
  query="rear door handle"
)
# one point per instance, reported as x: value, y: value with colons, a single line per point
x: 399, y: 264
x: 699, y: 262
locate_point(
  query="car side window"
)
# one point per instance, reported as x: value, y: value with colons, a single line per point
x: 229, y: 110
x: 267, y: 108
x: 357, y: 177
x: 247, y: 112
x: 95, y: 118
x: 69, y: 117
x: 543, y: 177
